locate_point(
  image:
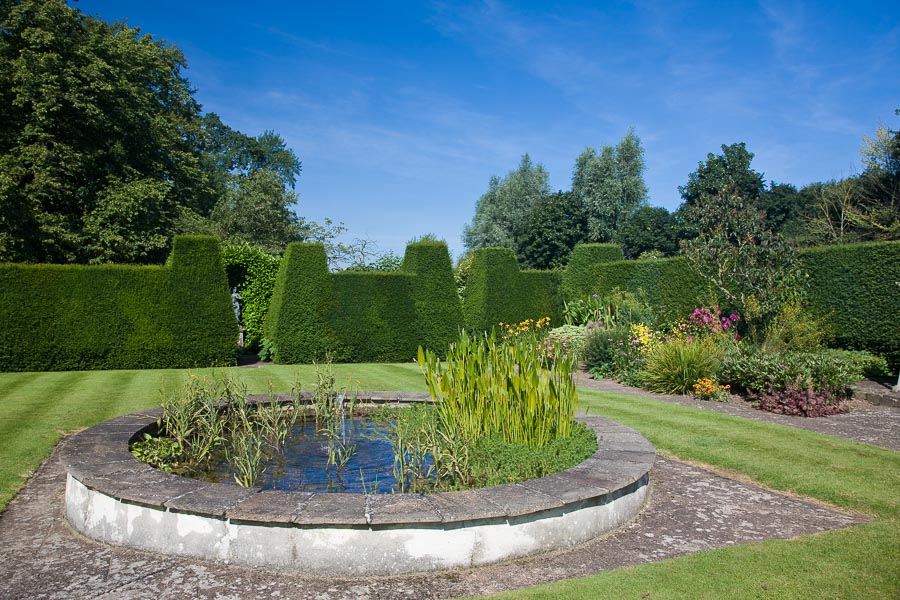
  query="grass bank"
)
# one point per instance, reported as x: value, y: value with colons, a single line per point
x: 860, y: 562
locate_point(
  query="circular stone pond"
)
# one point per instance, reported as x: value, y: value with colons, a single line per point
x: 113, y: 498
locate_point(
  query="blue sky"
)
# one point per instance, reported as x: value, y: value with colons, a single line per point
x: 402, y: 111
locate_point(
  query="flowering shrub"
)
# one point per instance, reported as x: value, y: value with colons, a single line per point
x: 644, y: 338
x: 567, y: 340
x: 707, y: 388
x: 708, y: 322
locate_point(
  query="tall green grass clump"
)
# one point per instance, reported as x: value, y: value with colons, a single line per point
x: 675, y: 365
x: 509, y: 388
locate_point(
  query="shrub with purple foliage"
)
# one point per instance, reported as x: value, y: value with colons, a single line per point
x: 802, y: 402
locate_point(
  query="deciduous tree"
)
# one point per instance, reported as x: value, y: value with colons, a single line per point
x: 751, y: 266
x: 610, y: 186
x: 556, y: 223
x: 97, y: 127
x: 502, y: 212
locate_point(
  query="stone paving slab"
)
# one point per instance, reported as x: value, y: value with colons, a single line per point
x: 268, y: 506
x: 866, y: 423
x: 690, y: 509
x: 211, y: 500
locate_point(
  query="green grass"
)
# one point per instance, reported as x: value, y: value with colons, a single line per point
x: 859, y: 562
x: 37, y: 408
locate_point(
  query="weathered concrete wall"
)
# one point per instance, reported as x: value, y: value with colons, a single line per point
x: 115, y: 499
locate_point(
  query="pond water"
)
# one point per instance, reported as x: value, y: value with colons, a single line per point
x: 303, y: 465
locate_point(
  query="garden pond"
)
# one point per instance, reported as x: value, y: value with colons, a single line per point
x: 306, y: 462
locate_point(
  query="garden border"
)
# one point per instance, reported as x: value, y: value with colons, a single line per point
x: 112, y: 497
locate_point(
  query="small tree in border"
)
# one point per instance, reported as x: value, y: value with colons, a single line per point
x: 754, y: 268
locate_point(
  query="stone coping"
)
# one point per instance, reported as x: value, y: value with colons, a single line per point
x: 100, y: 459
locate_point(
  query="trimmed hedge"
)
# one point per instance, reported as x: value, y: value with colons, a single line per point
x: 671, y: 288
x: 581, y: 271
x: 438, y: 310
x: 498, y: 292
x: 303, y: 307
x: 362, y: 316
x: 73, y: 317
x: 855, y: 287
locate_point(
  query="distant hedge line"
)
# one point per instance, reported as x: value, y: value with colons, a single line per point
x: 67, y: 317
x: 362, y: 316
x: 59, y: 317
x: 668, y: 284
x: 857, y: 289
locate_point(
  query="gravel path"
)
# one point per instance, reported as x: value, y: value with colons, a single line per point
x: 690, y: 509
x: 867, y: 423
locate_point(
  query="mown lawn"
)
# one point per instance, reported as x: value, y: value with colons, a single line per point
x: 37, y: 408
x: 860, y: 562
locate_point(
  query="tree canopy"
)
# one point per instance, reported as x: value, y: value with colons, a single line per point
x: 650, y: 229
x: 501, y: 214
x: 105, y: 153
x: 556, y: 224
x: 610, y: 186
x: 731, y: 169
x: 97, y: 125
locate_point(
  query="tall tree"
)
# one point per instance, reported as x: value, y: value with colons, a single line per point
x: 556, y: 223
x: 257, y: 211
x: 104, y: 153
x: 754, y: 268
x: 729, y: 170
x: 610, y: 186
x: 273, y: 155
x: 256, y: 178
x: 782, y: 203
x: 878, y: 211
x: 97, y: 126
x: 501, y: 214
x: 630, y: 171
x: 650, y: 229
